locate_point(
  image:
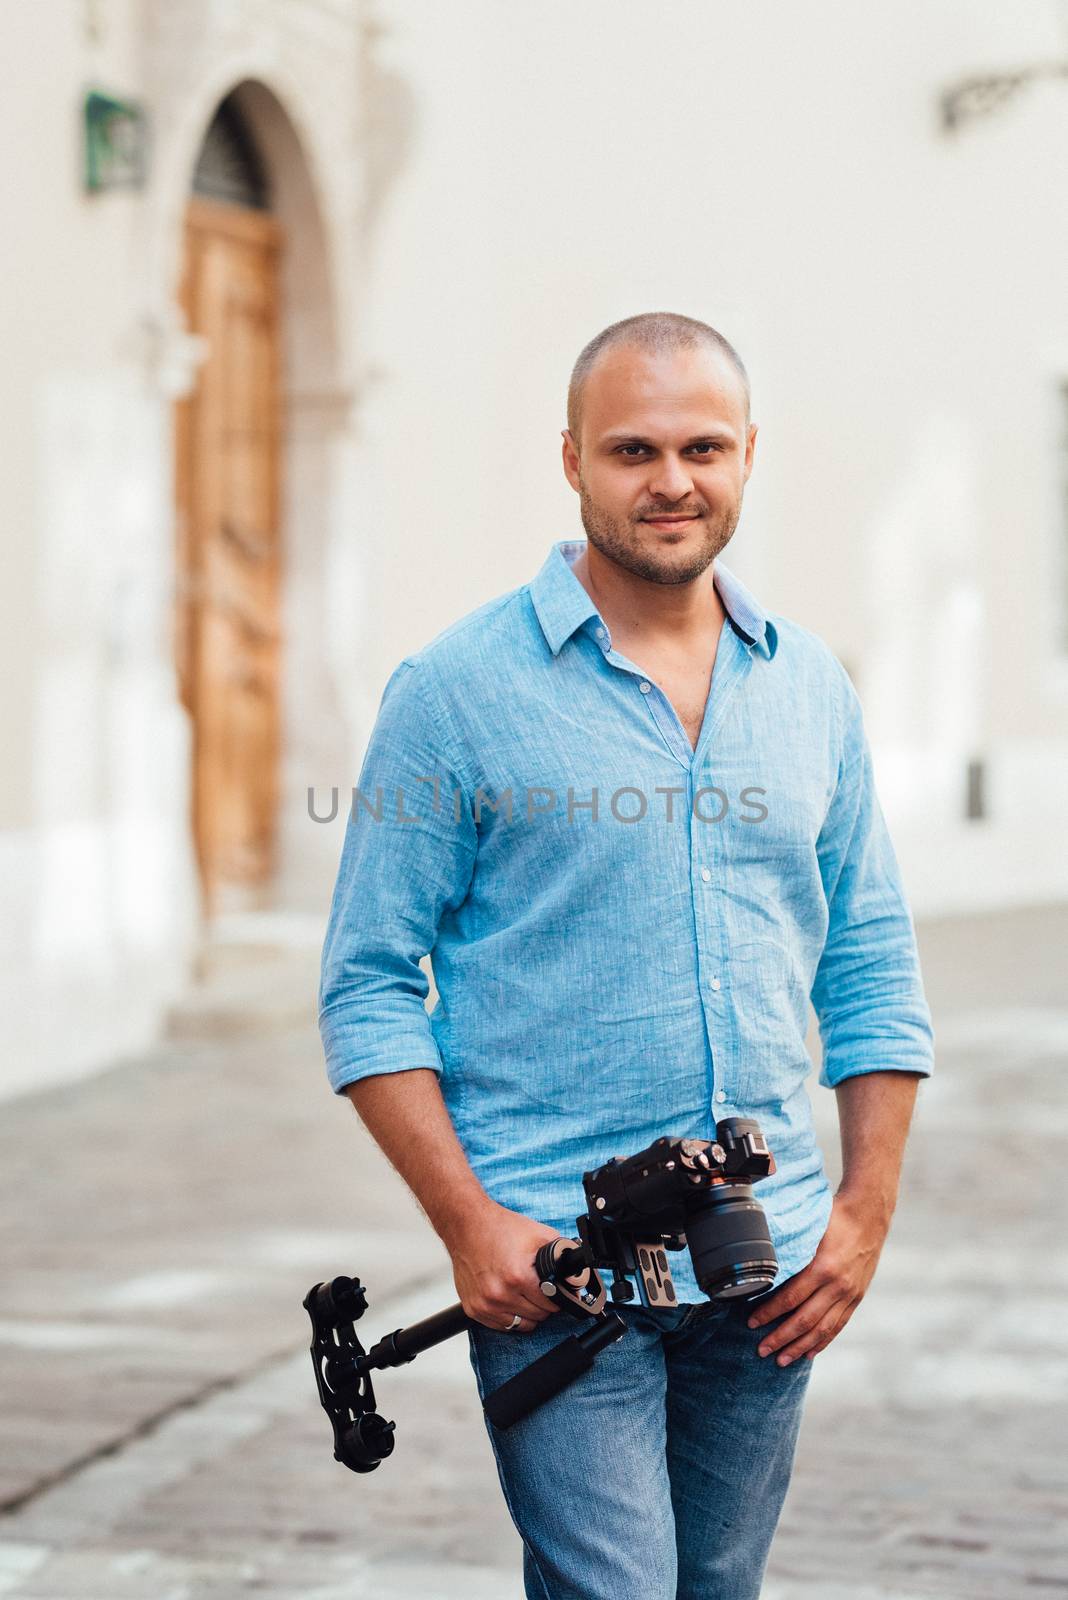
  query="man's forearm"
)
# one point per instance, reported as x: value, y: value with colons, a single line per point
x: 874, y: 1111
x: 406, y: 1116
x: 492, y: 1249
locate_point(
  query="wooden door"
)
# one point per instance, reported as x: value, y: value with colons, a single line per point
x: 227, y: 488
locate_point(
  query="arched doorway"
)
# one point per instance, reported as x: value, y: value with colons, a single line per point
x: 228, y: 492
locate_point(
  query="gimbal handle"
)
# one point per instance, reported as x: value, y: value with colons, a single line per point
x: 552, y: 1372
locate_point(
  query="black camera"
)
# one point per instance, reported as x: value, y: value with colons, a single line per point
x: 677, y: 1192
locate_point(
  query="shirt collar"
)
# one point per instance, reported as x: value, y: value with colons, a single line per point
x: 744, y: 612
x: 563, y: 605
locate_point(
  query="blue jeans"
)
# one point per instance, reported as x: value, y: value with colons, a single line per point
x: 660, y: 1473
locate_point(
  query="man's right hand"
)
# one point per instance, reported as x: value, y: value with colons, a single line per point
x: 493, y: 1252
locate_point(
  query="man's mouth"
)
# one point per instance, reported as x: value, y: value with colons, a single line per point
x: 672, y: 522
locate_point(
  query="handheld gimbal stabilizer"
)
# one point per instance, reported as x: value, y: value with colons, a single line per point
x: 675, y: 1192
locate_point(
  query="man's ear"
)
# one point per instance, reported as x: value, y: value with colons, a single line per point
x: 571, y: 458
x: 750, y: 446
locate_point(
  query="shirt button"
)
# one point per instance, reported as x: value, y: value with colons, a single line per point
x: 645, y: 687
x: 706, y: 875
x: 602, y: 633
x: 714, y: 983
x: 721, y: 1095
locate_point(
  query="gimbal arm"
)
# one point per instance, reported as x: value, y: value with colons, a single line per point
x: 342, y: 1367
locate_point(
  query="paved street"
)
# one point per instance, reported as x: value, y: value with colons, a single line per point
x: 161, y: 1438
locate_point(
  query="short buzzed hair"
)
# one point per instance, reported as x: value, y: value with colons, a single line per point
x: 655, y: 332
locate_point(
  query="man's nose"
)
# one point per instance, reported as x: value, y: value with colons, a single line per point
x: 670, y: 479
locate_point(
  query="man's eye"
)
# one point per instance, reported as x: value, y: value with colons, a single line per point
x: 624, y: 449
x: 706, y: 446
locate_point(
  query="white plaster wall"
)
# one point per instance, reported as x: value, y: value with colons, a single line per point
x: 91, y: 833
x: 96, y: 876
x: 898, y: 297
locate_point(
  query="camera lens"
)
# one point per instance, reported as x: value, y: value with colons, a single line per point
x: 730, y: 1245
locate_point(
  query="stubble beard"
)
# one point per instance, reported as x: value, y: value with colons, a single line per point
x: 618, y: 540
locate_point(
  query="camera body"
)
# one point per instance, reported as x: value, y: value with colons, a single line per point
x: 679, y: 1192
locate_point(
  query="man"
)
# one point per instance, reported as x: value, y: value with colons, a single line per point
x: 633, y: 818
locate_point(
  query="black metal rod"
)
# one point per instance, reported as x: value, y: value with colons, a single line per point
x: 432, y: 1330
x: 404, y: 1344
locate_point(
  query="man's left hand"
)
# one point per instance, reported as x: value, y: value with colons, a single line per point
x: 824, y: 1295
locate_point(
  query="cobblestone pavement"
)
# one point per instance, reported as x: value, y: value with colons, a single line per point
x: 160, y: 1435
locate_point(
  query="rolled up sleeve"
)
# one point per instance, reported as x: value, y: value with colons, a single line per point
x: 407, y: 860
x: 868, y: 991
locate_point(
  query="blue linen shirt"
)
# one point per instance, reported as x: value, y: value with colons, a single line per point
x: 625, y: 932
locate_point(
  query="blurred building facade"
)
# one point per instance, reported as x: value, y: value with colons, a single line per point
x: 285, y: 369
x: 179, y: 395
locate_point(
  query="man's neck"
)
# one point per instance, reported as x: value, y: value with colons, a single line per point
x: 675, y: 615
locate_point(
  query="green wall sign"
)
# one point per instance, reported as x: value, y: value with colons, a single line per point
x: 116, y: 143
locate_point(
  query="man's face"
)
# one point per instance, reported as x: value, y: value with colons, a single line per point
x: 663, y: 461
